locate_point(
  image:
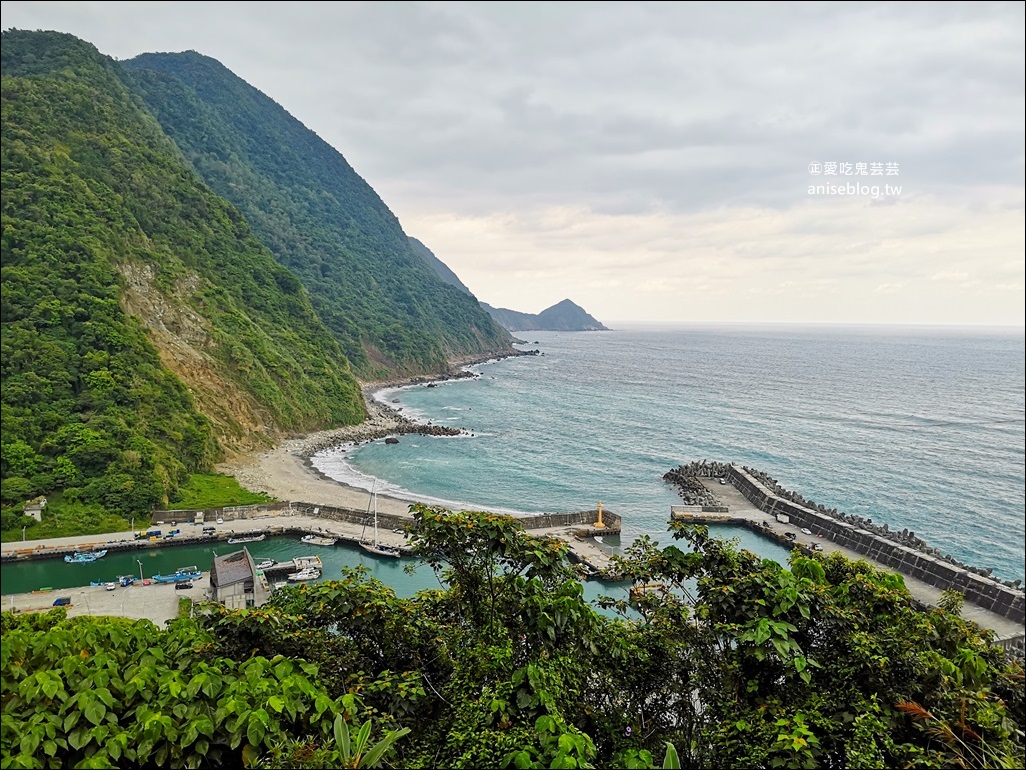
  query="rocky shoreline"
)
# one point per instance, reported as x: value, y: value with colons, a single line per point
x: 286, y: 472
x: 383, y: 421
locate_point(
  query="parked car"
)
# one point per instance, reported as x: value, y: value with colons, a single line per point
x: 110, y: 586
x: 183, y: 585
x: 806, y: 531
x: 62, y: 601
x: 817, y: 547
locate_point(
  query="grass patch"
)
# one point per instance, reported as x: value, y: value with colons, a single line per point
x: 62, y: 518
x: 215, y: 490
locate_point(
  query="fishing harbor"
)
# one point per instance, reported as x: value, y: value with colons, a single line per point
x: 591, y: 537
x: 281, y: 542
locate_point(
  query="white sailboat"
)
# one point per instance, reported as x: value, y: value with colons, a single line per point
x: 375, y: 546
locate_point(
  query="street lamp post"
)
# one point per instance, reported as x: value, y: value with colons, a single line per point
x: 139, y: 562
x: 123, y: 597
x: 133, y: 526
x: 23, y: 532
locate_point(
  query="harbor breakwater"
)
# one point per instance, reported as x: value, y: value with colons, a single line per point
x: 901, y: 551
x: 585, y: 521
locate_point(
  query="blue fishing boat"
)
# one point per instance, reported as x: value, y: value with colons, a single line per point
x: 123, y: 580
x: 182, y: 573
x: 85, y: 557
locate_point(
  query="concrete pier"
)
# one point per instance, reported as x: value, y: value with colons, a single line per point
x: 741, y: 510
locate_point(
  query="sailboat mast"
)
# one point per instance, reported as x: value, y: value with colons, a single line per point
x: 363, y: 535
x: 375, y: 496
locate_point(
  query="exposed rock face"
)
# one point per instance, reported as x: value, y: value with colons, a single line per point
x: 181, y: 338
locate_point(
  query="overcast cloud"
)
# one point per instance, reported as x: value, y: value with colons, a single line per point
x: 651, y: 161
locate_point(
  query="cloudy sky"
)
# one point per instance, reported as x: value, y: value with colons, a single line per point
x: 662, y: 162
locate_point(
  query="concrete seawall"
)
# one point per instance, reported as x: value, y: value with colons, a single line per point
x: 350, y: 525
x: 978, y: 589
x: 585, y: 519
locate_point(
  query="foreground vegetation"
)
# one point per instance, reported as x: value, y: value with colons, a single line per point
x: 736, y: 662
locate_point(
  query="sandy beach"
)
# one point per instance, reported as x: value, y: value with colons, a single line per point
x: 285, y: 472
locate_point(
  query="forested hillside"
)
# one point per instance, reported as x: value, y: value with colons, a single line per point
x: 146, y: 329
x: 388, y: 309
x: 441, y: 269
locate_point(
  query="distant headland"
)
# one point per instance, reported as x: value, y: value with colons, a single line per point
x: 564, y: 316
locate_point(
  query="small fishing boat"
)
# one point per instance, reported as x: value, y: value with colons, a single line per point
x: 182, y: 573
x: 318, y: 540
x: 246, y: 539
x: 123, y: 580
x: 85, y: 557
x: 310, y: 573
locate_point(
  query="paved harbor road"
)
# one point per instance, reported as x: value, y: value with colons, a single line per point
x: 157, y: 601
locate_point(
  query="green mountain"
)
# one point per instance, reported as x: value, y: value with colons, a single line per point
x: 146, y: 329
x: 388, y: 309
x: 441, y: 269
x: 564, y: 316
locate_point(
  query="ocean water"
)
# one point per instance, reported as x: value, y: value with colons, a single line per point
x: 918, y: 428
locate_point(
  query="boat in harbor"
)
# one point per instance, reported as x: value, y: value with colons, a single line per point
x: 310, y: 573
x: 123, y: 580
x: 375, y: 546
x: 318, y: 540
x: 246, y: 539
x: 182, y: 573
x: 302, y: 562
x: 85, y: 557
x: 380, y: 549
